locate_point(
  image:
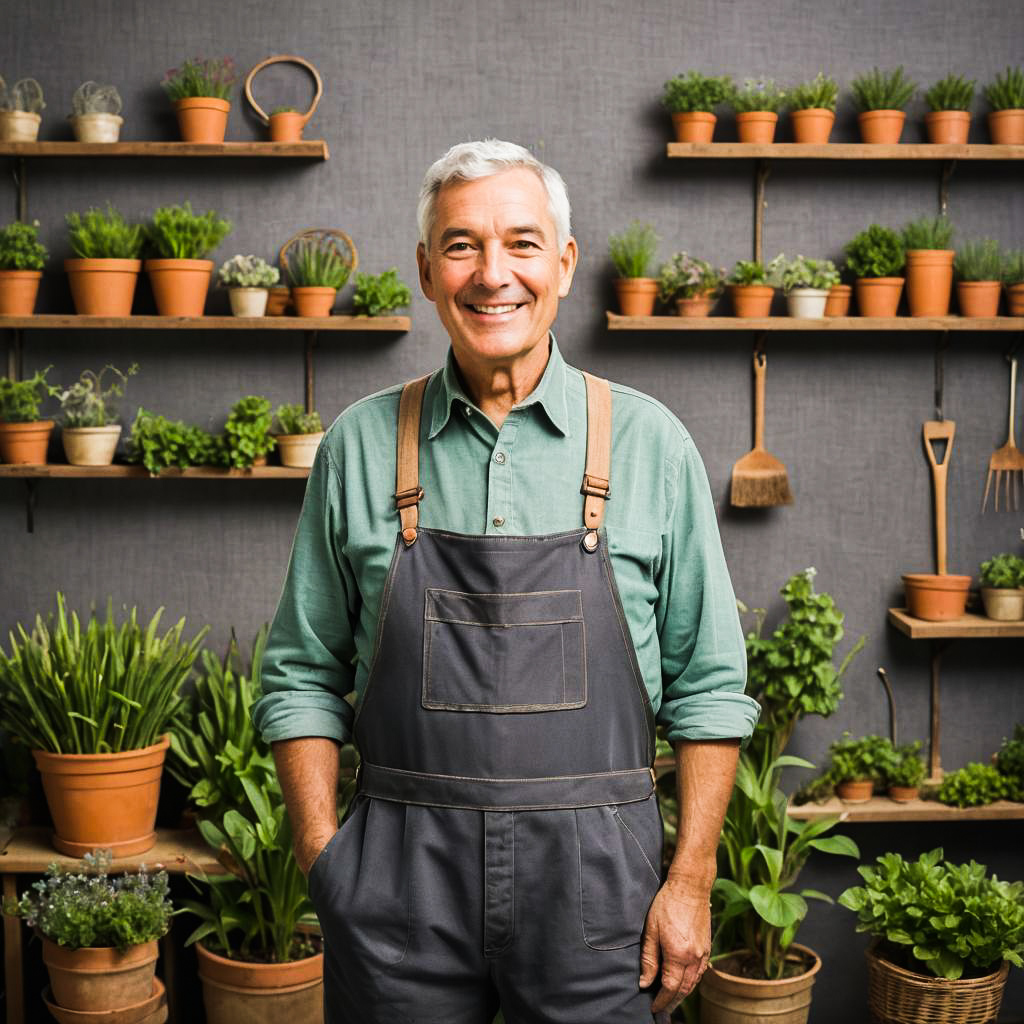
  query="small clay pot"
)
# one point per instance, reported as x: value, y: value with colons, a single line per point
x: 878, y: 296
x: 929, y: 281
x: 694, y: 126
x: 751, y: 300
x: 1006, y: 127
x: 699, y: 305
x: 948, y: 127
x: 855, y: 791
x: 936, y: 598
x: 813, y: 125
x: 757, y: 126
x: 636, y: 295
x: 881, y: 127
x: 838, y: 301
x: 978, y: 298
x: 202, y: 118
x: 1015, y: 299
x: 313, y: 301
x: 18, y: 291
x: 1004, y: 604
x: 277, y: 302
x: 904, y: 794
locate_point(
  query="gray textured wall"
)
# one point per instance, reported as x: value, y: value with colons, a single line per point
x: 577, y: 82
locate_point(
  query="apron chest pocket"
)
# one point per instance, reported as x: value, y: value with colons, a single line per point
x: 504, y: 653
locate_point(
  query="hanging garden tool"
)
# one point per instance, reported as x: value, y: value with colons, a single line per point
x: 759, y: 479
x: 1008, y: 459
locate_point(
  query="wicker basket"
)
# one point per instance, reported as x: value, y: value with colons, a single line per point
x: 898, y: 996
x: 327, y: 238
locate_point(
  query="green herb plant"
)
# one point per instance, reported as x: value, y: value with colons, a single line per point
x: 293, y: 419
x: 806, y: 273
x: 687, y: 277
x: 820, y: 93
x: 760, y: 94
x: 159, y: 443
x: 380, y: 294
x: 866, y: 757
x: 247, y: 432
x: 104, y: 236
x: 692, y: 92
x: 937, y: 918
x: 953, y: 92
x: 176, y: 233
x: 201, y: 77
x: 20, y: 248
x: 1006, y: 91
x: 1010, y: 762
x: 928, y: 233
x: 247, y: 272
x: 876, y: 90
x: 1005, y: 571
x: 317, y: 263
x: 283, y: 110
x: 747, y: 272
x: 979, y: 261
x: 875, y: 252
x: 20, y: 399
x: 1013, y: 267
x: 974, y: 785
x: 632, y: 251
x: 904, y: 766
x: 90, y: 402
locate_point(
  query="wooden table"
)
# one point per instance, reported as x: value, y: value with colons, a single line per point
x: 27, y: 851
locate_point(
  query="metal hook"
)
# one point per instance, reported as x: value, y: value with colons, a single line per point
x: 1011, y: 351
x: 892, y: 704
x: 940, y: 352
x: 759, y: 352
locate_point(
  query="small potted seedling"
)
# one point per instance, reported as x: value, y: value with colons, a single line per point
x: 248, y: 280
x: 632, y: 254
x: 690, y: 284
x: 298, y: 435
x: 22, y: 258
x: 881, y: 100
x: 812, y: 108
x: 21, y: 109
x: 91, y: 430
x: 752, y: 286
x: 757, y: 105
x: 1002, y: 587
x: 949, y: 118
x: 96, y: 113
x: 23, y: 435
x: 806, y: 283
x: 927, y: 243
x: 858, y: 765
x: 978, y: 268
x: 200, y: 91
x: 691, y: 99
x: 904, y: 772
x: 1013, y: 281
x: 1005, y: 96
x: 318, y: 270
x: 105, y: 268
x: 875, y: 257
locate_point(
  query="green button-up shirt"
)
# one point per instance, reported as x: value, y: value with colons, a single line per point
x: 521, y: 479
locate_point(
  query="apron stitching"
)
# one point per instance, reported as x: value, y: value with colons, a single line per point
x: 643, y: 853
x: 535, y: 778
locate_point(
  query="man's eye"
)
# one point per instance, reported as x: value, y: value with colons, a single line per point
x: 525, y: 243
x: 458, y: 247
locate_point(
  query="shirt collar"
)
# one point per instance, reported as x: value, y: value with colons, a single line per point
x: 549, y: 393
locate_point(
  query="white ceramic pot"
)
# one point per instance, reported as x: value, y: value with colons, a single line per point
x: 90, y: 446
x: 807, y: 303
x: 248, y: 301
x: 97, y: 127
x: 1003, y: 603
x: 19, y: 126
x: 298, y: 450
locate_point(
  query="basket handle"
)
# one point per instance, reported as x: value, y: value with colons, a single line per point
x: 283, y: 59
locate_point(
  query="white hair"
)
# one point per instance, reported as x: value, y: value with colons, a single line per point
x: 468, y: 161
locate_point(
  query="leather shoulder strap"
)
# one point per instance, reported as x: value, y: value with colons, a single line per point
x: 408, y: 492
x: 597, y: 472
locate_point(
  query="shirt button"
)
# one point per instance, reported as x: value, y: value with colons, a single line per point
x: 466, y: 409
x: 499, y: 458
x: 498, y: 520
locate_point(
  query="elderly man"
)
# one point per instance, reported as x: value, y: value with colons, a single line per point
x: 498, y: 641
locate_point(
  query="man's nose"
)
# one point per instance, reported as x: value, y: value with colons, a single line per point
x: 492, y: 270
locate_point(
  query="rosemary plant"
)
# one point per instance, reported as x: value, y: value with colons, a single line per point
x: 820, y: 93
x: 98, y: 235
x: 633, y: 250
x: 979, y: 261
x: 953, y: 92
x: 876, y: 90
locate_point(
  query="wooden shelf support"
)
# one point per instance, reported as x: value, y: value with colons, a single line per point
x: 764, y: 169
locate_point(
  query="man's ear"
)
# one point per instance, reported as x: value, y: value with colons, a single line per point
x: 426, y: 285
x: 567, y: 266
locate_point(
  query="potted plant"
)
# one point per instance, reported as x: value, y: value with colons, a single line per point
x: 806, y: 284
x: 22, y: 258
x: 632, y: 253
x: 929, y: 265
x: 99, y: 937
x: 949, y: 103
x: 317, y: 271
x: 975, y: 785
x: 904, y: 772
x: 839, y: 295
x: 812, y: 108
x: 91, y: 431
x: 691, y: 100
x: 284, y: 122
x: 880, y: 99
x: 298, y: 435
x: 21, y: 109
x: 93, y: 703
x: 106, y: 266
x: 875, y: 258
x: 752, y: 285
x: 247, y: 437
x: 380, y: 294
x: 856, y: 766
x: 159, y: 443
x: 24, y: 437
x: 248, y: 280
x: 180, y: 271
x: 978, y: 269
x: 944, y: 937
x: 96, y: 113
x: 691, y: 284
x: 1002, y: 587
x: 1005, y: 96
x: 200, y: 91
x: 757, y: 106
x: 1013, y: 281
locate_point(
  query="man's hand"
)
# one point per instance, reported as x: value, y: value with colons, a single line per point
x: 677, y: 936
x: 309, y: 847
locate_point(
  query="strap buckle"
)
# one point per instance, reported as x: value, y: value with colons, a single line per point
x: 596, y: 487
x: 408, y: 497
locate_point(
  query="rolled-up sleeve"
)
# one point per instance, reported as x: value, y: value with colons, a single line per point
x: 308, y: 664
x: 703, y: 655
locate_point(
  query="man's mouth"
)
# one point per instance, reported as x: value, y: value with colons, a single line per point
x: 494, y: 310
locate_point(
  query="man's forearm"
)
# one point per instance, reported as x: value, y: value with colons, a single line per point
x: 308, y: 771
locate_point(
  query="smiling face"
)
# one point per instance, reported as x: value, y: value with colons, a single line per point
x: 494, y: 270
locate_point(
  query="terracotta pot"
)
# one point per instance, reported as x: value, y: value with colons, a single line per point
x: 19, y: 126
x: 807, y: 303
x: 757, y: 126
x: 236, y: 991
x: 18, y: 290
x: 310, y: 301
x: 878, y: 296
x: 936, y: 598
x: 813, y: 125
x: 90, y: 446
x: 699, y: 305
x: 636, y: 295
x: 278, y: 301
x: 838, y: 301
x: 248, y: 301
x: 202, y: 118
x: 948, y: 127
x: 929, y: 281
x: 298, y: 450
x: 733, y: 999
x: 881, y: 126
x: 287, y: 126
x: 1004, y: 604
x: 1015, y: 299
x: 694, y: 126
x: 751, y: 300
x: 1006, y: 127
x: 103, y: 800
x: 103, y: 287
x: 100, y: 978
x: 97, y: 127
x: 855, y: 791
x: 25, y: 444
x: 179, y: 286
x: 152, y: 1010
x: 904, y: 794
x: 978, y: 298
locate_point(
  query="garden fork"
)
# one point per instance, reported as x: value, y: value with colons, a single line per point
x: 1008, y: 459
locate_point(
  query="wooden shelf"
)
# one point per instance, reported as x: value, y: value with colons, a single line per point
x: 313, y: 149
x: 880, y: 808
x: 842, y: 151
x: 342, y: 322
x: 967, y: 627
x: 54, y: 470
x: 616, y: 322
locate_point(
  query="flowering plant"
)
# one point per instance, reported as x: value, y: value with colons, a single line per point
x: 686, y: 277
x: 87, y: 403
x: 90, y: 909
x: 200, y: 77
x: 247, y: 272
x: 805, y: 273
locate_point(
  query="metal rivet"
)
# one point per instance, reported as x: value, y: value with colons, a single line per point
x: 498, y: 520
x: 499, y: 458
x: 409, y: 535
x: 590, y: 541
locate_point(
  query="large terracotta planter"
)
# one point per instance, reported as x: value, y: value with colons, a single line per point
x: 1006, y: 127
x: 757, y: 126
x: 838, y: 301
x: 19, y: 126
x: 694, y: 126
x: 936, y: 598
x: 751, y: 300
x: 813, y: 125
x: 929, y: 281
x: 636, y: 295
x: 855, y: 791
x: 90, y: 446
x: 298, y: 450
x: 878, y: 296
x: 881, y: 127
x: 152, y: 1010
x: 313, y: 301
x: 179, y: 286
x: 25, y: 444
x: 699, y: 305
x: 101, y: 978
x: 732, y: 999
x: 97, y: 127
x: 18, y: 291
x: 978, y: 298
x: 948, y: 127
x: 202, y: 118
x: 1004, y: 604
x: 1015, y: 299
x: 103, y: 287
x: 236, y: 991
x: 103, y: 800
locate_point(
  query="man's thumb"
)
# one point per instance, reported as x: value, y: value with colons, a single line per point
x: 649, y: 955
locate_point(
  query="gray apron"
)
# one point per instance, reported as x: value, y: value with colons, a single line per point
x: 505, y: 842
